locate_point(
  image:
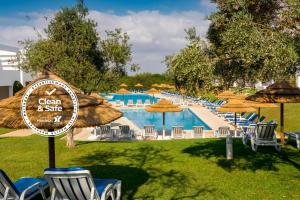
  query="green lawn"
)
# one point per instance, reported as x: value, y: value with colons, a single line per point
x: 291, y: 116
x: 181, y: 169
x: 5, y: 130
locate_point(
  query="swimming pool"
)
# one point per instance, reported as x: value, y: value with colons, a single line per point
x: 134, y: 97
x: 185, y: 118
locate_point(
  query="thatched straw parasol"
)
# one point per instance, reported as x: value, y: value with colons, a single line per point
x: 153, y: 91
x: 239, y: 97
x: 226, y: 95
x: 138, y: 85
x: 236, y: 106
x: 155, y: 85
x: 163, y: 105
x: 123, y: 91
x: 279, y: 92
x: 92, y: 111
x: 123, y: 85
x: 259, y: 105
x: 105, y: 102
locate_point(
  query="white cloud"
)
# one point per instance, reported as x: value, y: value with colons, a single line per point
x: 152, y: 34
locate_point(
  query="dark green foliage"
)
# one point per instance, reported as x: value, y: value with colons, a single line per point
x: 192, y: 68
x: 247, y: 44
x: 17, y: 87
x: 146, y: 79
x: 74, y: 51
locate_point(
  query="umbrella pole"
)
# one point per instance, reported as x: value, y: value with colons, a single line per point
x: 282, y: 123
x: 164, y: 130
x: 235, y: 124
x: 258, y: 114
x: 51, y: 150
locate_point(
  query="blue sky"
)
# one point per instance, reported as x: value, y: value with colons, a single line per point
x: 156, y: 27
x: 120, y: 7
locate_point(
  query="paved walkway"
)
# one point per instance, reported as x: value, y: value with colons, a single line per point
x: 18, y: 133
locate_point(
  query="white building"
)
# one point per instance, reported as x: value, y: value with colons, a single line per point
x: 9, y: 72
x: 298, y: 79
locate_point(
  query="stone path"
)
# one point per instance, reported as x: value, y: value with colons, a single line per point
x: 18, y: 133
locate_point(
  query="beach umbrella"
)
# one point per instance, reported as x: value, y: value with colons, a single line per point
x: 104, y: 101
x: 238, y: 97
x: 280, y: 92
x: 153, y: 91
x: 123, y: 85
x: 236, y: 106
x: 163, y: 106
x: 259, y: 105
x: 91, y: 112
x: 123, y: 91
x: 138, y: 85
x: 155, y: 85
x: 226, y: 95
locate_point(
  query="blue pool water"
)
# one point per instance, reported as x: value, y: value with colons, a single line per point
x: 134, y: 97
x: 185, y: 118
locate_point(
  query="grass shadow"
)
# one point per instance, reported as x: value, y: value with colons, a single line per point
x: 266, y: 158
x: 140, y: 168
x: 132, y: 178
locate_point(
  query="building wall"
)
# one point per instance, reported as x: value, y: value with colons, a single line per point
x: 9, y: 72
x: 4, y: 92
x: 298, y: 79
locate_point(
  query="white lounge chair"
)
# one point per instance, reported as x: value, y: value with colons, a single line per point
x: 177, y: 132
x: 149, y: 132
x: 104, y: 132
x: 125, y: 132
x: 147, y: 102
x: 77, y: 183
x: 23, y: 189
x: 264, y: 135
x: 130, y: 102
x: 119, y: 103
x: 198, y: 132
x: 176, y: 102
x: 139, y: 103
x: 293, y: 136
x: 223, y: 131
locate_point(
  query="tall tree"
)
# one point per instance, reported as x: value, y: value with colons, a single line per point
x: 73, y: 49
x: 117, y: 52
x: 192, y: 67
x: 247, y: 45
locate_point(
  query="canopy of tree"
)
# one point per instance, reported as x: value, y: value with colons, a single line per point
x: 248, y: 41
x: 73, y: 49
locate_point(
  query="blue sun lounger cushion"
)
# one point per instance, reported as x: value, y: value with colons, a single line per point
x: 24, y: 188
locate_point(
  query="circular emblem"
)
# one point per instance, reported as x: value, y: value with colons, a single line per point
x: 46, y: 107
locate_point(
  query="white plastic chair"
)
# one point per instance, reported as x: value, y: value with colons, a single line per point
x: 149, y: 132
x: 198, y: 132
x: 77, y: 183
x: 177, y: 132
x: 23, y: 189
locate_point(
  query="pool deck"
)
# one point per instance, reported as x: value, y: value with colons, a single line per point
x: 212, y: 120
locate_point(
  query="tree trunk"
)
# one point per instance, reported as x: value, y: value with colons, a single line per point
x: 70, y: 139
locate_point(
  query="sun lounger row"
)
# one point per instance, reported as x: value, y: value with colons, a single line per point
x: 176, y: 133
x: 105, y: 132
x: 139, y: 103
x: 64, y: 183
